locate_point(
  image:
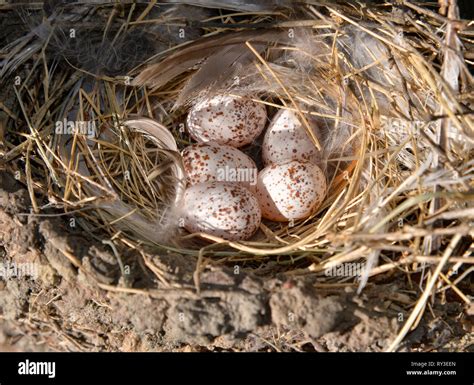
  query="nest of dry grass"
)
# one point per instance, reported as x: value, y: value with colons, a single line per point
x: 392, y: 83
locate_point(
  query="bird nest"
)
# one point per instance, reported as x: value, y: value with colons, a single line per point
x: 389, y: 86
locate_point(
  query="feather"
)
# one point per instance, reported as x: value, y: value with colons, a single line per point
x: 157, y: 75
x: 155, y: 129
x: 217, y: 69
x: 238, y: 5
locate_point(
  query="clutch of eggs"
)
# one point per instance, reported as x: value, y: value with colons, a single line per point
x: 227, y: 210
x: 291, y: 190
x: 225, y: 196
x: 286, y: 139
x: 225, y: 119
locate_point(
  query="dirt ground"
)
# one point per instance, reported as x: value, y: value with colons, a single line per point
x: 63, y: 308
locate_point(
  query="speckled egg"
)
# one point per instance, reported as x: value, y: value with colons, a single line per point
x: 286, y: 139
x: 226, y: 119
x: 209, y: 162
x: 226, y: 210
x: 290, y: 191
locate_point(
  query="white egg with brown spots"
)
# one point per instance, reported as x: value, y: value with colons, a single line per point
x: 225, y: 119
x: 226, y: 210
x: 212, y: 162
x: 286, y: 139
x: 290, y: 191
